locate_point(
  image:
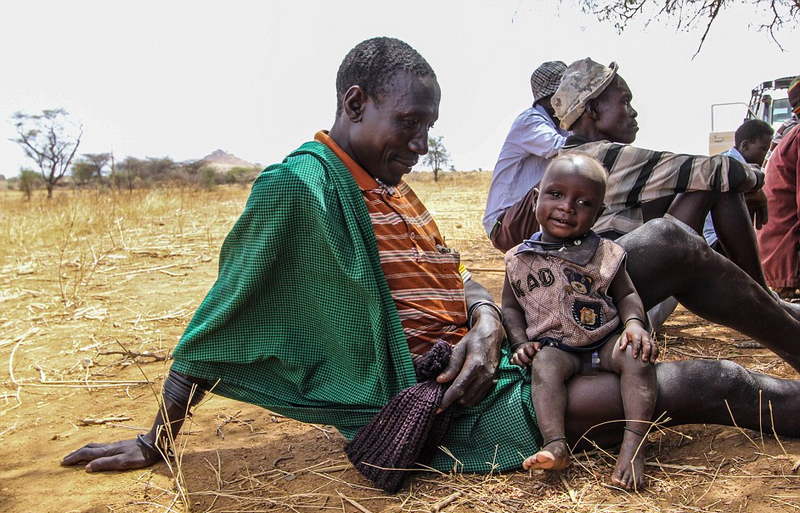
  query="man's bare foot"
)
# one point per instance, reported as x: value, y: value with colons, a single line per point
x: 553, y: 456
x: 629, y: 471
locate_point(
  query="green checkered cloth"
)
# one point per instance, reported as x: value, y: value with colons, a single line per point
x: 301, y: 321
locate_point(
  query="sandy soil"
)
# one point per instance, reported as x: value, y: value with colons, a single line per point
x: 75, y: 371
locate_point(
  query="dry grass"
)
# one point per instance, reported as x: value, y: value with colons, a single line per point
x: 73, y: 253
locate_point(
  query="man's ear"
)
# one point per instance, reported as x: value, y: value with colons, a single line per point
x: 353, y: 102
x: 535, y: 196
x: 743, y: 146
x: 591, y: 108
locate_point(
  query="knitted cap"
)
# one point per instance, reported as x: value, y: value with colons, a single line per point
x: 545, y: 80
x: 407, y: 429
x: 582, y: 81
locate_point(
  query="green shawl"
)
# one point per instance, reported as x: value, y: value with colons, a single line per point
x: 301, y: 321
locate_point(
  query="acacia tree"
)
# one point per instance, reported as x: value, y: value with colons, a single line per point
x: 437, y: 155
x: 768, y: 15
x: 47, y: 139
x: 97, y: 162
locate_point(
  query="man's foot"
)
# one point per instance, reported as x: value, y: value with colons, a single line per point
x: 787, y: 293
x: 553, y: 456
x: 629, y: 472
x: 791, y: 308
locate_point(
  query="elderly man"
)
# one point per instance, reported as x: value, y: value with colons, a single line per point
x: 335, y: 276
x: 533, y: 140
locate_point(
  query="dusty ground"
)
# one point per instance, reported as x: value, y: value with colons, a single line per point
x: 95, y: 291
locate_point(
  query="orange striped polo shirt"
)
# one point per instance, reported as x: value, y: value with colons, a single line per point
x: 423, y: 274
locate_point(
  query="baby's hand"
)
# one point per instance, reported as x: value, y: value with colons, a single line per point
x: 523, y: 355
x: 640, y: 341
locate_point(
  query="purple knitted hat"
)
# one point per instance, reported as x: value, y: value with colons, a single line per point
x: 407, y: 429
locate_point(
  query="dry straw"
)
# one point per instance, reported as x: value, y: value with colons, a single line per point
x: 80, y: 248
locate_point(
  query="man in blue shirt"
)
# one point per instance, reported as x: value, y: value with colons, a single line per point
x: 533, y: 140
x: 751, y: 144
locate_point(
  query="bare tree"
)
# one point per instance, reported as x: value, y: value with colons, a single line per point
x: 769, y: 15
x: 437, y: 155
x: 46, y: 139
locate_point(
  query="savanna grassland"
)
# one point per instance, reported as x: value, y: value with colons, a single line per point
x: 95, y: 290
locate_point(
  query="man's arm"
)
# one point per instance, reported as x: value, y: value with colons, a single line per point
x: 476, y: 357
x: 538, y: 137
x: 150, y: 448
x: 661, y: 174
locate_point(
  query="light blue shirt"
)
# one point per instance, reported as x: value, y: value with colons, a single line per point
x: 708, y: 229
x: 532, y: 141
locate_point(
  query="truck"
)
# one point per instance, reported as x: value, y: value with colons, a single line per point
x: 769, y: 101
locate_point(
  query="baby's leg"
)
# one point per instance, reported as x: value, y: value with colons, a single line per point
x: 639, y: 388
x: 551, y: 368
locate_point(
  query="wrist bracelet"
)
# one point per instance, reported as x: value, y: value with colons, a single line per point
x: 140, y: 439
x: 477, y: 304
x: 634, y: 319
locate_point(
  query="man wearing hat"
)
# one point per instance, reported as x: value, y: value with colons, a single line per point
x: 533, y: 140
x: 595, y: 103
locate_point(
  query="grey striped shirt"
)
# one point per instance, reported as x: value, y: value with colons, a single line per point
x: 636, y: 175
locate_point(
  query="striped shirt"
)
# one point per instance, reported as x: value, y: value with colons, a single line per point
x: 636, y: 175
x: 424, y: 276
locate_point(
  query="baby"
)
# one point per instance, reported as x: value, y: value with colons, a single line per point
x: 569, y: 306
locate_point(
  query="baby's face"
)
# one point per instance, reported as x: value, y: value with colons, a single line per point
x: 568, y: 202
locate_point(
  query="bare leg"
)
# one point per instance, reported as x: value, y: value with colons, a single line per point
x: 639, y: 387
x: 550, y: 369
x: 664, y: 260
x: 689, y: 392
x: 732, y: 222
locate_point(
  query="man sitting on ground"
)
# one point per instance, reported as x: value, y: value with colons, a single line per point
x: 533, y: 140
x: 778, y: 241
x: 751, y: 143
x: 335, y: 275
x: 595, y: 103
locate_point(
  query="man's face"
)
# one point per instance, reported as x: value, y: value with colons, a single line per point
x: 616, y: 119
x: 567, y: 203
x: 393, y: 132
x: 755, y: 150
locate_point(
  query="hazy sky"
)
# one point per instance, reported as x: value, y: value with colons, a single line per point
x: 256, y: 78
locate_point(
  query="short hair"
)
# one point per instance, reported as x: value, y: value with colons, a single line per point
x: 752, y: 130
x: 588, y: 165
x: 372, y: 63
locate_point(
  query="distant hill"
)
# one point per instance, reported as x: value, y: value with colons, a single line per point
x: 223, y: 161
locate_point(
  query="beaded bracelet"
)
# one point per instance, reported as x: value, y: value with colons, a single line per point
x: 477, y: 304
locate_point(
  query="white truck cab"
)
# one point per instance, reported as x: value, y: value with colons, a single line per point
x: 769, y: 101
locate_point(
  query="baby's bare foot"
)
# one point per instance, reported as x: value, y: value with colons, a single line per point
x: 553, y: 456
x: 629, y: 471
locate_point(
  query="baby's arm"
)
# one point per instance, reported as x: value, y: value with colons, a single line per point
x: 514, y: 322
x: 631, y: 313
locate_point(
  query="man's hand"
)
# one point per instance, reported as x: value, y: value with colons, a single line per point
x: 122, y: 455
x: 757, y: 205
x: 474, y: 361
